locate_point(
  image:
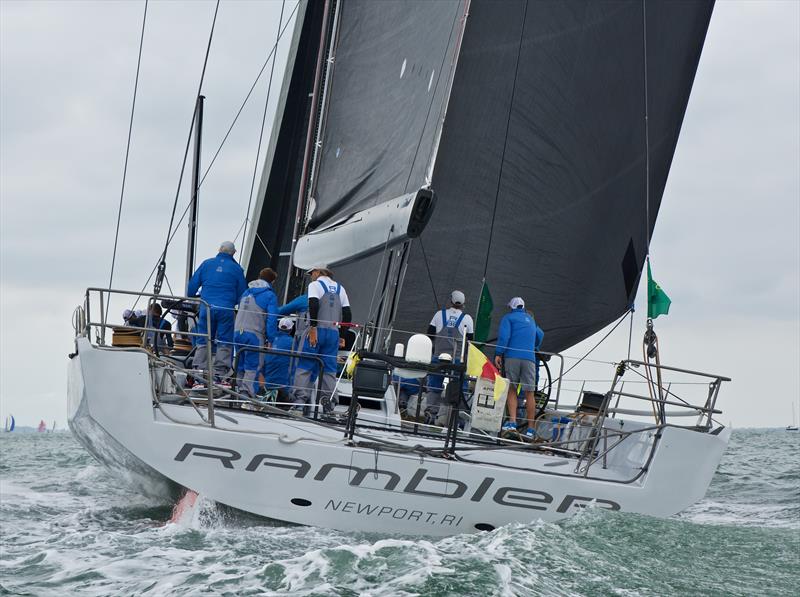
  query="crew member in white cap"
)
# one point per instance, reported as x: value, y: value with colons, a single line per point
x: 448, y: 326
x: 515, y: 357
x: 328, y: 305
x: 276, y: 366
x: 446, y: 330
x: 220, y: 282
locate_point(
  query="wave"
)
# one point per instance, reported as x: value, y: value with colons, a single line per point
x: 74, y: 529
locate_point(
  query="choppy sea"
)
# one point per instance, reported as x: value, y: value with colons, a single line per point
x: 68, y: 527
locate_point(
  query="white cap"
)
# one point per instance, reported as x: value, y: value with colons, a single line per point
x: 139, y: 313
x: 227, y: 247
x: 258, y: 283
x: 516, y: 303
x: 445, y: 357
x: 126, y: 314
x: 457, y: 297
x: 286, y: 324
x: 316, y: 267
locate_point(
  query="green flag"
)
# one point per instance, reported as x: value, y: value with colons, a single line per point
x: 483, y: 320
x: 657, y: 300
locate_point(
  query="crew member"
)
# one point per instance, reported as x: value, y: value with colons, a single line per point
x: 220, y: 282
x: 253, y: 324
x: 154, y: 320
x: 446, y: 329
x: 515, y: 356
x: 298, y: 307
x: 328, y: 305
x: 276, y: 366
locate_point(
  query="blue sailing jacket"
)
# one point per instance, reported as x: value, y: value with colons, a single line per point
x: 220, y: 281
x: 276, y: 366
x: 297, y: 305
x: 519, y: 336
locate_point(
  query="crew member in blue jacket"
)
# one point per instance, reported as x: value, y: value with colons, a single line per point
x: 515, y: 356
x: 276, y: 366
x: 298, y: 307
x: 220, y: 282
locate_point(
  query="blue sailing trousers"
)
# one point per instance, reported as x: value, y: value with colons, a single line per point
x: 276, y: 366
x: 327, y: 347
x: 249, y: 361
x: 221, y: 326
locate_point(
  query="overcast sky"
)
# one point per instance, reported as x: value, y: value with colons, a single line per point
x: 725, y: 249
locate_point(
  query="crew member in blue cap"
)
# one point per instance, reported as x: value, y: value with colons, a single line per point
x: 515, y: 357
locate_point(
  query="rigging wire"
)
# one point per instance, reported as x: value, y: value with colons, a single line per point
x: 428, y: 269
x: 162, y: 265
x: 599, y: 342
x: 127, y: 152
x: 505, y: 139
x: 422, y: 134
x: 186, y: 209
x: 249, y: 93
x: 630, y: 334
x: 263, y: 122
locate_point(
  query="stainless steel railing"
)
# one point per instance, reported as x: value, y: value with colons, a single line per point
x: 83, y: 324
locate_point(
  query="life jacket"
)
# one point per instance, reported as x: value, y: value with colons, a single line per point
x: 448, y: 339
x: 330, y: 306
x: 251, y: 317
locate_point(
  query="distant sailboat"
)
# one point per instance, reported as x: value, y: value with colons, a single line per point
x: 42, y: 427
x: 793, y: 426
x: 10, y: 423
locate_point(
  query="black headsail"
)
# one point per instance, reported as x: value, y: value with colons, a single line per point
x: 270, y: 239
x: 540, y: 172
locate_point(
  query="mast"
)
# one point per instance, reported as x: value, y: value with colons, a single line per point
x: 307, y: 156
x: 192, y: 237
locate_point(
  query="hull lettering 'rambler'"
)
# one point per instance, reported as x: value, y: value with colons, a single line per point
x: 417, y: 148
x: 420, y: 483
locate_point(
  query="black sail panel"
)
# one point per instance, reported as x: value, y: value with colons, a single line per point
x: 541, y: 170
x: 565, y: 164
x: 392, y: 62
x: 455, y: 243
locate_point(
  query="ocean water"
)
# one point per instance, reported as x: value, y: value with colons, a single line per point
x: 67, y: 527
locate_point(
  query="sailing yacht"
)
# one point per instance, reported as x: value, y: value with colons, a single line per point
x: 522, y: 146
x: 793, y: 426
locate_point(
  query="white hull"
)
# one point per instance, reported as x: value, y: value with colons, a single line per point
x: 300, y: 472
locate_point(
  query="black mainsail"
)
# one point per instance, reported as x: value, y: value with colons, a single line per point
x: 540, y: 173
